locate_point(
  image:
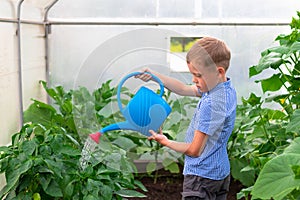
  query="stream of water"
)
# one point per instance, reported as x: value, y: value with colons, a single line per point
x: 88, y: 149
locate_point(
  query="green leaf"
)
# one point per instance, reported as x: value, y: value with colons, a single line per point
x: 68, y: 191
x: 294, y: 124
x: 245, y: 177
x: 296, y: 170
x: 272, y: 60
x: 151, y: 166
x: 170, y: 165
x: 173, y: 167
x: 53, y: 189
x: 106, y: 192
x: 140, y: 185
x: 90, y: 197
x: 124, y: 143
x: 253, y: 100
x: 273, y: 83
x: 69, y: 150
x: 4, y: 150
x: 39, y: 113
x: 280, y: 50
x: 45, y: 179
x: 295, y: 47
x: 294, y: 147
x: 13, y: 176
x: 51, y: 92
x: 130, y: 193
x: 296, y: 99
x: 55, y: 167
x: 29, y: 147
x: 277, y: 178
x: 253, y: 71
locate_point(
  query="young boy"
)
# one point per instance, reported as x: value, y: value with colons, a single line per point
x: 206, y: 166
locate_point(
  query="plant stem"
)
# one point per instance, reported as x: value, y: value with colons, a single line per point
x: 156, y: 161
x: 289, y: 107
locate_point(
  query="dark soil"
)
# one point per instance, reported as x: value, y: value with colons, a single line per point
x: 169, y: 187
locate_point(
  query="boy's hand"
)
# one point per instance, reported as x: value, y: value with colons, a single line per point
x: 144, y: 76
x: 159, y: 137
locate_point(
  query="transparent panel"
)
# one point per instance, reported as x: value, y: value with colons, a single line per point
x: 30, y: 9
x: 218, y: 10
x: 104, y: 8
x: 6, y: 9
x: 9, y: 92
x: 112, y: 52
x: 269, y: 9
x: 33, y: 63
x: 176, y: 8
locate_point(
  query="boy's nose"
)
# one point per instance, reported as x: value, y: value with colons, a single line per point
x: 194, y: 79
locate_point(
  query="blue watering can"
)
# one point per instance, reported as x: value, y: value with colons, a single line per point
x: 145, y: 111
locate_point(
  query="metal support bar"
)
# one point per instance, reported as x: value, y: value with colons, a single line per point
x: 47, y: 26
x: 21, y: 21
x: 157, y: 23
x: 20, y: 61
x: 163, y: 23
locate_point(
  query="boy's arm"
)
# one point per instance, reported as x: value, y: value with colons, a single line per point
x: 192, y: 149
x: 171, y: 84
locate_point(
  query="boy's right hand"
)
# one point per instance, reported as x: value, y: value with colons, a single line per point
x: 144, y: 76
x: 159, y: 137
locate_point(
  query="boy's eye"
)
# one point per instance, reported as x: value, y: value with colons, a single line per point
x: 198, y: 75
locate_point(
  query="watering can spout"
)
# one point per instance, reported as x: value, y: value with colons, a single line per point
x: 118, y: 126
x: 112, y: 127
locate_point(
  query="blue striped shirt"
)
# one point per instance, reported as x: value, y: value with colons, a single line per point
x: 214, y: 116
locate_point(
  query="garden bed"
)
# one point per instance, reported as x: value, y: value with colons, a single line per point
x: 169, y: 186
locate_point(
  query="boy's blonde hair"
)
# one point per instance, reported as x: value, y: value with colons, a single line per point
x: 209, y: 51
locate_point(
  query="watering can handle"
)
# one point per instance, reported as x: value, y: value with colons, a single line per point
x: 135, y: 74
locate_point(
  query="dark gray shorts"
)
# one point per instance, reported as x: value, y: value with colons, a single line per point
x: 204, y: 188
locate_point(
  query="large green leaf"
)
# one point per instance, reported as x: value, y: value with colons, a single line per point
x: 294, y: 124
x: 171, y: 165
x: 294, y: 146
x: 280, y: 50
x: 40, y: 113
x: 277, y: 178
x: 295, y: 47
x: 245, y: 177
x: 273, y: 83
x: 124, y: 143
x: 272, y: 60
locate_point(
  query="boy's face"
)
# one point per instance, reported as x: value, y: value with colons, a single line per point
x: 205, y: 78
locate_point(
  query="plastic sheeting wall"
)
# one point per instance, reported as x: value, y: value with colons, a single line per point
x: 33, y: 64
x: 96, y: 52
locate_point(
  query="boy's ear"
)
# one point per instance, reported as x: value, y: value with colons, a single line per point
x: 221, y: 70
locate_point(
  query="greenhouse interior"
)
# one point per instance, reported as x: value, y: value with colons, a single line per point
x: 61, y: 62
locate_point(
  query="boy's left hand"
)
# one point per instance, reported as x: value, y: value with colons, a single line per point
x: 159, y: 137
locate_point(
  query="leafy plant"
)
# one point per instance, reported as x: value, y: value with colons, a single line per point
x: 280, y: 176
x: 43, y: 160
x: 261, y: 134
